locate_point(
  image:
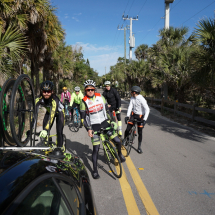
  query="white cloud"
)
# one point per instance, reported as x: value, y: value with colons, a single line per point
x: 75, y: 19
x: 101, y: 56
x: 95, y: 48
x: 77, y: 14
x: 99, y: 62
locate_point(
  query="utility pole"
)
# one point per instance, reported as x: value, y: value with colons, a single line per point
x: 125, y: 28
x: 132, y: 39
x: 167, y: 2
x: 166, y: 27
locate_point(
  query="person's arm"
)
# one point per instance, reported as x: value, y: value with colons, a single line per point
x: 53, y: 111
x: 62, y: 95
x: 69, y: 96
x: 72, y: 99
x: 146, y: 108
x: 118, y: 99
x: 84, y: 116
x: 130, y: 107
x: 106, y: 108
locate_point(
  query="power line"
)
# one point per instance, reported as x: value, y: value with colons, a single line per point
x: 126, y: 6
x: 131, y: 6
x: 142, y: 6
x: 198, y: 12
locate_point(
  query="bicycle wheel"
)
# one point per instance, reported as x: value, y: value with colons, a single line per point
x: 112, y: 159
x: 5, y: 98
x: 22, y: 111
x: 123, y: 148
x: 127, y: 142
x: 75, y: 123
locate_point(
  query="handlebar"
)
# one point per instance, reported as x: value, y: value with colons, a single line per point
x: 101, y: 131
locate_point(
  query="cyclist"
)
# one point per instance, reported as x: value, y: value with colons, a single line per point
x: 114, y: 103
x: 66, y: 96
x: 94, y: 115
x: 76, y: 99
x: 46, y: 99
x: 137, y: 109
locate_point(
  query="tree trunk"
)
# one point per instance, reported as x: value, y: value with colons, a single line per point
x: 32, y: 73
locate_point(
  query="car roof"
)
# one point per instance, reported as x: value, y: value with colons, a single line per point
x: 18, y: 169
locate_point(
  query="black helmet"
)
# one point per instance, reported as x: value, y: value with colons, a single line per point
x: 135, y: 89
x: 47, y: 85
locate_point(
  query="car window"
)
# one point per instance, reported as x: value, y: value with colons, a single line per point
x: 71, y: 195
x: 44, y: 199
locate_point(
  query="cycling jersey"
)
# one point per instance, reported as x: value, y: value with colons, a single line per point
x: 65, y: 95
x: 57, y: 111
x: 57, y: 107
x: 139, y: 106
x: 112, y: 97
x: 76, y: 98
x: 94, y: 112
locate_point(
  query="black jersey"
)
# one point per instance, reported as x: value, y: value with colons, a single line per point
x: 112, y: 97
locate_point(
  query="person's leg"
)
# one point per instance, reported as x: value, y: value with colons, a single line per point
x: 140, y: 134
x: 118, y: 144
x: 59, y: 128
x: 72, y: 110
x: 129, y: 125
x: 96, y: 142
x: 118, y: 116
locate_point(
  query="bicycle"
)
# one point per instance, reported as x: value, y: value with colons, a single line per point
x: 76, y: 120
x: 129, y: 140
x: 13, y: 103
x: 17, y: 106
x: 47, y: 141
x: 67, y: 114
x: 110, y: 153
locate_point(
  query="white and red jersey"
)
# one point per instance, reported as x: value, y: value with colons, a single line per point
x: 96, y: 109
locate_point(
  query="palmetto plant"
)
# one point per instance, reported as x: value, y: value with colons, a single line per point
x: 12, y: 48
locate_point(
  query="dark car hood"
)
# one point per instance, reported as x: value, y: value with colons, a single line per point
x: 18, y: 169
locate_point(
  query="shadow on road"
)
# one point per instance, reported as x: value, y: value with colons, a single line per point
x: 170, y: 127
x: 85, y: 153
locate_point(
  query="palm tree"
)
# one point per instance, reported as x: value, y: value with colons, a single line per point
x: 12, y: 48
x: 205, y: 35
x: 141, y: 52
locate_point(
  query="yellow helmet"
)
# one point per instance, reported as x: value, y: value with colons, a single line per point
x: 64, y: 88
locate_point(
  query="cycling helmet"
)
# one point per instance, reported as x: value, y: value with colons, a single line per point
x: 107, y: 83
x: 89, y: 83
x: 135, y: 89
x: 64, y: 88
x: 77, y: 88
x: 47, y: 85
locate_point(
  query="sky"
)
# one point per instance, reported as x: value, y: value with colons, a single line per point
x: 93, y: 24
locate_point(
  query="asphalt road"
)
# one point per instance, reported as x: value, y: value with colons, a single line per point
x: 175, y: 175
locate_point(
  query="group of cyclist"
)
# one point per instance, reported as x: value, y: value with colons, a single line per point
x: 96, y: 113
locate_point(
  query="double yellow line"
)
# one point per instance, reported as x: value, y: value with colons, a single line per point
x: 130, y: 201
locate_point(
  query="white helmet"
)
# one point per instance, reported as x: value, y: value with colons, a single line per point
x: 77, y: 88
x: 89, y: 83
x: 107, y: 83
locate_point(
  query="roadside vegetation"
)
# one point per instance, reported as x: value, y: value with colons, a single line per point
x: 182, y: 64
x: 32, y: 42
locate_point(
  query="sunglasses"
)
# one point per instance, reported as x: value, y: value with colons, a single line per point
x: 77, y: 91
x: 47, y: 91
x: 88, y: 90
